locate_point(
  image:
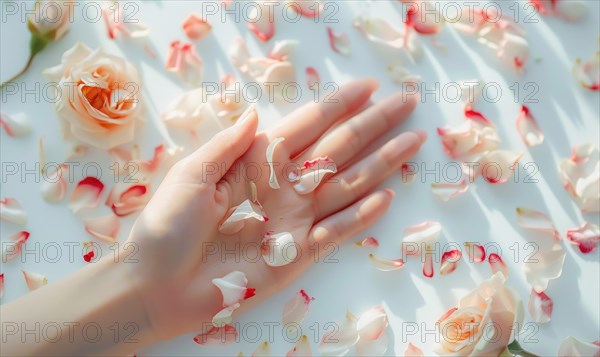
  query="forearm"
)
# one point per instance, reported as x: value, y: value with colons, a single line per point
x: 95, y: 311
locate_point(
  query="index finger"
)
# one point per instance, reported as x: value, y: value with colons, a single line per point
x: 307, y: 124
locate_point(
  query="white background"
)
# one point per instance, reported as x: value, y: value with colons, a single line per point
x: 567, y: 114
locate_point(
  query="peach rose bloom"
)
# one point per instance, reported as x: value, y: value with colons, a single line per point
x: 97, y: 97
x: 483, y: 322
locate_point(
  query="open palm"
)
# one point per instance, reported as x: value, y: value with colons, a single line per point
x: 181, y: 248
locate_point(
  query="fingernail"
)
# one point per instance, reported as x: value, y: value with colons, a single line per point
x: 390, y: 192
x: 422, y: 134
x: 245, y: 115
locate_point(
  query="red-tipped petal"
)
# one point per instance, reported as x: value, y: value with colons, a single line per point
x: 295, y: 310
x: 446, y: 190
x: 195, y: 27
x: 339, y: 43
x: 588, y: 73
x: 309, y: 9
x: 217, y: 336
x: 1, y: 285
x: 536, y: 220
x: 586, y: 237
x: 125, y: 200
x: 449, y: 261
x: 261, y: 21
x: 13, y: 248
x: 428, y: 265
x: 369, y: 242
x: 11, y: 211
x: 540, y: 307
x: 312, y: 78
x: 386, y: 264
x: 497, y: 264
x: 86, y: 194
x: 475, y: 252
x: 15, y: 125
x: 528, y: 128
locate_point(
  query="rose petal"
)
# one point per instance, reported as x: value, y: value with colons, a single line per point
x: 413, y: 351
x: 471, y: 90
x: 116, y: 21
x: 424, y: 18
x: 572, y: 347
x: 16, y: 125
x: 497, y: 264
x: 380, y: 31
x: 540, y: 307
x: 475, y: 252
x: 224, y: 316
x: 475, y: 115
x: 536, y: 220
x: 34, y: 280
x: 261, y: 22
x: 385, y: 264
x: 195, y: 27
x: 408, y: 172
x: 571, y: 11
x: 372, y: 331
x: 282, y: 50
x: 339, y: 43
x: 310, y: 181
x: 104, y: 228
x: 302, y: 348
x: 586, y: 237
x: 447, y: 190
x: 1, y: 285
x: 401, y: 75
x: 498, y: 166
x: 419, y: 238
x: 263, y: 350
x: 11, y: 211
x: 54, y: 185
x: 126, y: 199
x: 234, y: 288
x: 580, y: 175
x: 449, y: 261
x: 528, y: 128
x: 296, y: 309
x: 270, y: 150
x: 183, y: 60
x: 13, y: 248
x: 278, y: 249
x: 86, y: 194
x: 341, y: 340
x: 236, y: 221
x: 369, y: 242
x: 307, y: 8
x: 588, y: 73
x: 217, y: 336
x: 545, y: 265
x: 312, y: 78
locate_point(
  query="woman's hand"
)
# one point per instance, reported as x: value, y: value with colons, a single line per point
x: 180, y: 247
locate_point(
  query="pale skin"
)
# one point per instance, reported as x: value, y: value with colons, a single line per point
x: 168, y: 292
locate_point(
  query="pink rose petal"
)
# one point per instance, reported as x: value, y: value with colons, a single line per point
x: 301, y: 349
x: 447, y: 190
x: 341, y: 340
x: 126, y: 199
x: 307, y: 8
x: 86, y: 194
x: 54, y: 184
x: 217, y: 336
x: 34, y: 280
x: 13, y: 248
x: 586, y: 237
x: 528, y: 128
x: 261, y: 21
x: 540, y: 307
x: 372, y: 331
x: 15, y: 125
x: 413, y: 351
x: 312, y: 78
x: 183, y: 60
x: 195, y: 27
x: 588, y: 73
x: 498, y: 166
x: 104, y: 228
x: 279, y: 249
x: 449, y: 261
x: 1, y: 285
x: 11, y: 211
x: 536, y: 220
x: 339, y: 43
x: 117, y: 21
x: 497, y: 264
x: 369, y: 242
x: 580, y: 175
x: 424, y: 18
x: 475, y: 252
x: 572, y: 347
x: 296, y: 309
x: 384, y: 264
x: 420, y: 237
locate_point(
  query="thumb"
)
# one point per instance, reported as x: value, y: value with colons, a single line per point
x: 218, y: 155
